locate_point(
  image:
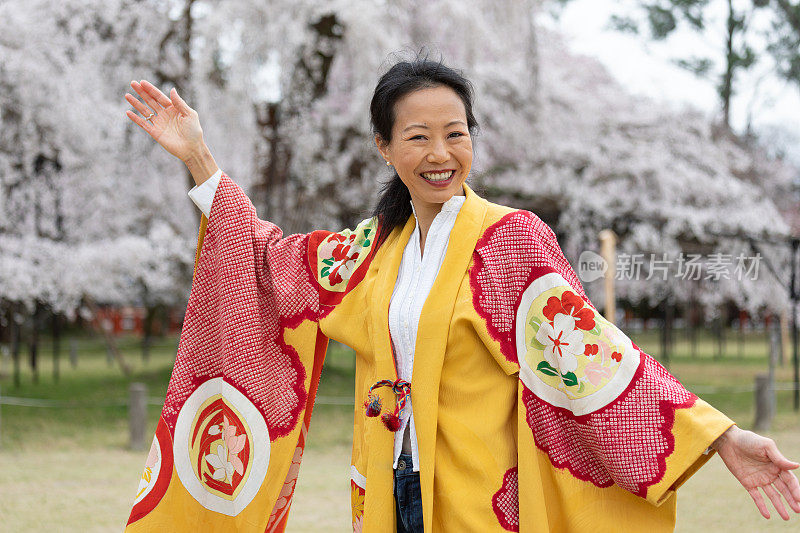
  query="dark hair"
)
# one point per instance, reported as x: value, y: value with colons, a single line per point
x: 404, y: 77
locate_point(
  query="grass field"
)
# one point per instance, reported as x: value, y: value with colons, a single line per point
x: 67, y: 468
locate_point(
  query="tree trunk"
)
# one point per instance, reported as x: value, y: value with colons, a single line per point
x: 742, y: 318
x: 14, y: 332
x: 111, y: 343
x: 726, y: 85
x: 666, y: 332
x: 34, y: 343
x: 693, y: 322
x: 147, y: 336
x: 723, y: 326
x: 56, y: 346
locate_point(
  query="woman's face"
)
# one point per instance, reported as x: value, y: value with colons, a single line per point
x: 430, y: 136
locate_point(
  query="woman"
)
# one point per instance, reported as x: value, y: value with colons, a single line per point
x: 530, y: 411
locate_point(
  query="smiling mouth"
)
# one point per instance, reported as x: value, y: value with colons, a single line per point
x: 438, y: 176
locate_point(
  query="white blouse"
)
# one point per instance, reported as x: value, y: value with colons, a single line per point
x: 414, y: 282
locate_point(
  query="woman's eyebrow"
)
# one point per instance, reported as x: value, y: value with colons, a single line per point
x: 427, y: 127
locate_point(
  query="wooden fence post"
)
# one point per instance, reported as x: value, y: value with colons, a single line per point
x: 56, y: 324
x: 73, y: 353
x: 137, y: 412
x: 765, y: 383
x: 765, y: 403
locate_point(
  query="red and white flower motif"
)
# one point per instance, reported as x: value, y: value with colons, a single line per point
x: 223, y: 469
x: 226, y: 461
x: 345, y: 256
x: 570, y: 304
x: 627, y: 439
x: 562, y: 342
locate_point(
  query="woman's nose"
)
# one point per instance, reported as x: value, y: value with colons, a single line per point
x: 438, y: 153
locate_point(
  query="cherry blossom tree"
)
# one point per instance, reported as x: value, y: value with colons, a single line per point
x: 92, y: 210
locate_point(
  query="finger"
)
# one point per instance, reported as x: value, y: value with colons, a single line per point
x: 139, y: 106
x: 145, y: 125
x: 777, y: 457
x: 156, y: 93
x: 178, y: 102
x: 787, y: 494
x: 791, y: 483
x: 775, y: 498
x: 759, y: 501
x: 146, y: 97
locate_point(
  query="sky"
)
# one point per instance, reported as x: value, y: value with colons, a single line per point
x: 645, y: 67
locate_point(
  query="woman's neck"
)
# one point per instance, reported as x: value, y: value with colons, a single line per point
x: 425, y: 213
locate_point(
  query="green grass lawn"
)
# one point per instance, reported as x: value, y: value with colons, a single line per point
x: 68, y: 468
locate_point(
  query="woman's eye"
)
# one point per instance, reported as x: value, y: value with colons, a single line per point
x: 453, y: 133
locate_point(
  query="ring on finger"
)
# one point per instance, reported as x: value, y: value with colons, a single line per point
x: 150, y: 116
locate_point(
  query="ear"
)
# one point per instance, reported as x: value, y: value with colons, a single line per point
x: 382, y: 146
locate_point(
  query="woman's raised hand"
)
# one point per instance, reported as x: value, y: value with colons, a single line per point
x: 174, y: 125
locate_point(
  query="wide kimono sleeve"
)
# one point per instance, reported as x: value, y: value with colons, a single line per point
x: 602, y: 424
x: 230, y: 438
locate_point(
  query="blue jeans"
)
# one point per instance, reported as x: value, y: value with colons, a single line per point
x: 407, y: 496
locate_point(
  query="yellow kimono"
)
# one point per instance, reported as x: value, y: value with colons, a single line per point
x: 533, y: 413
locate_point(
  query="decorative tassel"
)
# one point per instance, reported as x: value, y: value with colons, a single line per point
x: 373, y: 405
x: 391, y: 421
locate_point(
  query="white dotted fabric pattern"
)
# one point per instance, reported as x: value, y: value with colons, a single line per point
x: 506, y: 256
x: 625, y: 442
x: 506, y: 501
x: 249, y: 285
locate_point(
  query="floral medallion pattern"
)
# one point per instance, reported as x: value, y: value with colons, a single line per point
x: 569, y: 354
x: 340, y: 254
x: 594, y: 403
x: 225, y: 461
x: 588, y: 388
x: 221, y: 448
x: 218, y: 436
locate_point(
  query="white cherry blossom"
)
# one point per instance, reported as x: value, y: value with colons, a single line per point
x: 562, y: 342
x: 223, y: 469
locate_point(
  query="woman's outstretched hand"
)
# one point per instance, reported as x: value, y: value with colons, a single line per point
x: 174, y: 125
x: 758, y: 464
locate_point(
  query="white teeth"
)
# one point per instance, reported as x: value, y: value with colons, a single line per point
x: 437, y: 176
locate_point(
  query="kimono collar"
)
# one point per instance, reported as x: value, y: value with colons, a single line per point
x: 437, y: 314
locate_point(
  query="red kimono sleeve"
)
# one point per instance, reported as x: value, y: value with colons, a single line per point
x: 595, y: 403
x: 231, y: 435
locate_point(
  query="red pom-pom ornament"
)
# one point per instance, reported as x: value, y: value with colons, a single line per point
x: 373, y: 406
x: 391, y: 421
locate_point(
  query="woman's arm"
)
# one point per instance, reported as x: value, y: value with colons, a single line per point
x: 201, y: 164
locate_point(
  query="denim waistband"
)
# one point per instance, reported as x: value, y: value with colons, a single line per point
x: 404, y: 464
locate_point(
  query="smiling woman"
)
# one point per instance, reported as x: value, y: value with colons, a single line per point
x: 431, y: 158
x: 490, y: 393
